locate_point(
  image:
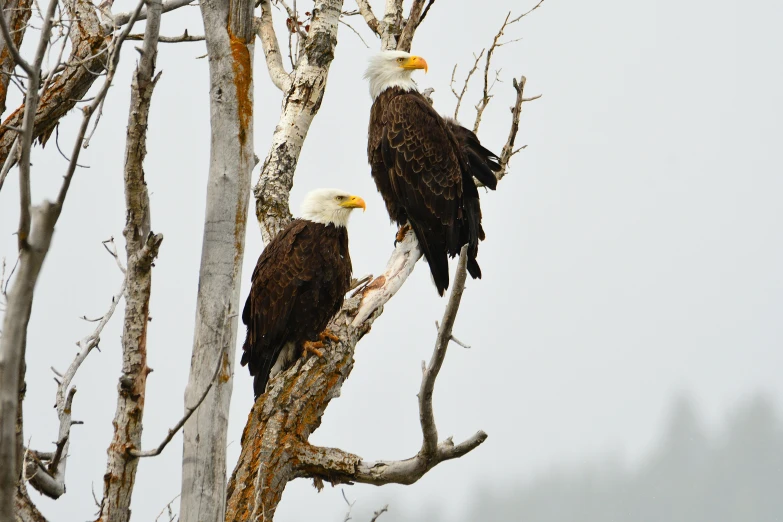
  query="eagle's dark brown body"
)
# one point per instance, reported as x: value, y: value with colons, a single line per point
x: 423, y: 166
x: 299, y: 284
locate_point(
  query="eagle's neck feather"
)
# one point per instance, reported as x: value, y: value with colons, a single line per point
x: 338, y: 218
x: 384, y: 80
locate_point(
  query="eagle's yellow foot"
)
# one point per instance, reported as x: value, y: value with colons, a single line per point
x: 401, y: 233
x: 312, y: 347
x: 328, y: 334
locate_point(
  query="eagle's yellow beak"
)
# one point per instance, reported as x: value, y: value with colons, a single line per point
x: 354, y: 202
x: 415, y: 62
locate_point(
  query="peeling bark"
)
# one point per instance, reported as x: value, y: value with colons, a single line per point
x: 229, y: 39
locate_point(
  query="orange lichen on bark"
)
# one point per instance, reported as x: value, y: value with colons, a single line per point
x: 279, y: 426
x: 243, y: 79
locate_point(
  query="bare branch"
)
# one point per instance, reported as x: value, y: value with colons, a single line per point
x: 369, y: 16
x: 465, y: 84
x: 265, y: 30
x: 338, y: 466
x: 9, y: 43
x: 383, y: 287
x: 293, y: 16
x: 508, y: 149
x: 168, y: 507
x: 121, y: 19
x: 114, y: 59
x: 384, y: 509
x: 188, y: 412
x: 426, y: 10
x: 184, y: 37
x: 112, y: 250
x: 429, y: 446
x: 142, y: 247
x: 518, y: 18
x: 486, y: 96
x: 411, y: 24
x: 51, y: 481
x: 349, y: 26
x: 28, y: 122
x: 10, y: 161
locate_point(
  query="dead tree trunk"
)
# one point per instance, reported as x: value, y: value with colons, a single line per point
x: 142, y: 248
x: 229, y: 38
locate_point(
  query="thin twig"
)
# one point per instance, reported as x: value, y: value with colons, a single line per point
x: 113, y: 252
x: 465, y: 84
x: 454, y: 339
x: 516, y: 111
x: 184, y: 37
x: 167, y: 506
x: 355, y: 31
x: 377, y: 514
x: 484, y: 101
x: 350, y: 506
x: 114, y: 59
x: 188, y: 412
x: 518, y: 18
x: 426, y: 10
x: 121, y: 19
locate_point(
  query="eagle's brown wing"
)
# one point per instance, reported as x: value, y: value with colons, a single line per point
x: 426, y: 170
x: 284, y: 270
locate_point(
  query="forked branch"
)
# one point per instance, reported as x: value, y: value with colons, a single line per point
x: 50, y: 479
x: 338, y: 466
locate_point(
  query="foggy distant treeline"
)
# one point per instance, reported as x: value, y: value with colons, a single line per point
x: 734, y: 474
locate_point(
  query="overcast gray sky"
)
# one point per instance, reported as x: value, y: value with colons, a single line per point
x: 632, y: 253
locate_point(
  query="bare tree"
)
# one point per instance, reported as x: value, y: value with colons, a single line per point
x: 78, y: 53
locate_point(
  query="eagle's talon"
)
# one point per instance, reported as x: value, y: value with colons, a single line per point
x: 312, y: 347
x: 328, y: 334
x: 400, y: 237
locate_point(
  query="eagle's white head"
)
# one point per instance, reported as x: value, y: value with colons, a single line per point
x: 392, y: 69
x: 330, y: 206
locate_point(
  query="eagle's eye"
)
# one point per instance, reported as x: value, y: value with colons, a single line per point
x: 339, y: 198
x: 400, y: 60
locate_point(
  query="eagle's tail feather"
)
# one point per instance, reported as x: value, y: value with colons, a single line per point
x: 435, y: 251
x: 475, y: 232
x: 482, y: 169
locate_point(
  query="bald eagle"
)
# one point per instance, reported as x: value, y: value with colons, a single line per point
x: 299, y: 284
x: 424, y: 165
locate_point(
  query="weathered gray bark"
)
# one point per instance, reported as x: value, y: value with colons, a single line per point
x: 142, y: 248
x: 12, y: 347
x: 33, y: 245
x: 229, y: 38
